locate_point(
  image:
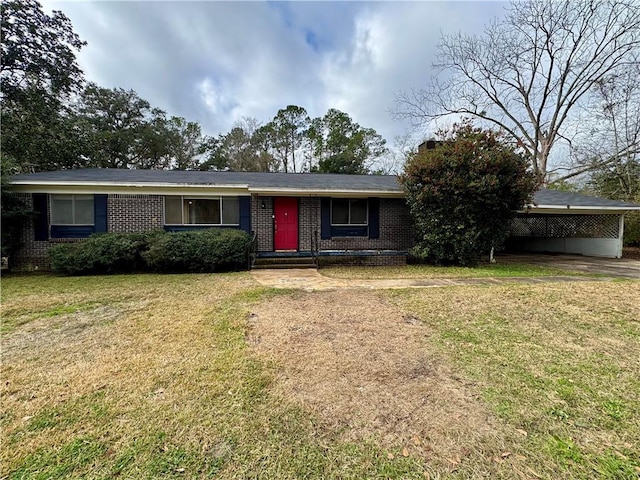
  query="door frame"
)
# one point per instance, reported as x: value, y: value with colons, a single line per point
x: 273, y: 226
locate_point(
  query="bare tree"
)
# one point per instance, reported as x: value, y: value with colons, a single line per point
x: 529, y: 70
x: 610, y: 149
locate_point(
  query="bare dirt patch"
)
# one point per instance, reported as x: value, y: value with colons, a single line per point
x: 367, y: 370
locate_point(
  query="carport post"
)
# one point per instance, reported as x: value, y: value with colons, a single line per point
x: 621, y: 235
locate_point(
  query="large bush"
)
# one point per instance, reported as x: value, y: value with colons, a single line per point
x: 464, y: 193
x: 194, y: 251
x: 101, y: 254
x: 198, y: 251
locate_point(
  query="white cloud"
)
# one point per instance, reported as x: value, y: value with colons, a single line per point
x: 216, y: 62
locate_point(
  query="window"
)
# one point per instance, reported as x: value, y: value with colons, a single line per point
x: 201, y: 211
x: 349, y: 211
x: 72, y: 210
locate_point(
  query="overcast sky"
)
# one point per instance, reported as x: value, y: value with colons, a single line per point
x: 216, y: 62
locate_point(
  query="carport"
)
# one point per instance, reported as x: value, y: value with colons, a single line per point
x: 570, y: 223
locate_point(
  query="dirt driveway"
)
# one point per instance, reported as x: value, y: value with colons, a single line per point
x: 617, y: 267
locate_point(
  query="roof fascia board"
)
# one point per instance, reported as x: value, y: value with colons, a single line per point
x: 575, y: 209
x: 329, y: 192
x: 128, y: 189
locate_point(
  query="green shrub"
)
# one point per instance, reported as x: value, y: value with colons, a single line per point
x: 192, y: 251
x: 198, y: 251
x: 101, y: 254
x: 632, y: 229
x: 463, y: 194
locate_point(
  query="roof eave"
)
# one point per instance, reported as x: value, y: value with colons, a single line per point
x: 127, y: 188
x: 325, y: 192
x: 578, y: 208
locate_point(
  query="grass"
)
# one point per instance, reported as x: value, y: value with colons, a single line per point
x: 149, y: 376
x: 428, y: 271
x: 556, y: 362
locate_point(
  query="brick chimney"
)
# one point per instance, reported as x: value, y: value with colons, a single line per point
x: 427, y: 145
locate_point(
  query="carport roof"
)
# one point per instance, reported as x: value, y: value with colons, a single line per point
x: 275, y: 182
x: 556, y: 198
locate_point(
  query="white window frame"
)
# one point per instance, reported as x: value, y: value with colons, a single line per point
x: 199, y: 197
x: 366, y: 224
x: 73, y: 209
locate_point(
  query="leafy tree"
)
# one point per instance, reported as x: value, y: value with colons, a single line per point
x: 118, y: 122
x: 464, y: 193
x: 243, y: 149
x: 121, y: 130
x: 38, y: 74
x: 342, y: 146
x: 38, y: 52
x: 530, y: 71
x: 15, y: 213
x: 287, y: 134
x: 186, y: 144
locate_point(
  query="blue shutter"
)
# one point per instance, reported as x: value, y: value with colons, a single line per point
x: 374, y: 217
x: 41, y: 221
x: 325, y: 218
x: 245, y: 213
x: 100, y: 213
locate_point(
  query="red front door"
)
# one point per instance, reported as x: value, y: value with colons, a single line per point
x: 285, y: 224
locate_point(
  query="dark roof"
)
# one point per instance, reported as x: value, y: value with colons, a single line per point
x: 257, y: 180
x: 545, y: 196
x: 320, y: 181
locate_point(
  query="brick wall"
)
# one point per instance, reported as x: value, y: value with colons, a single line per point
x: 32, y: 255
x: 125, y: 213
x: 362, y: 261
x: 134, y: 213
x: 144, y: 213
x: 395, y: 226
x: 262, y: 221
x: 309, y: 215
x: 395, y: 230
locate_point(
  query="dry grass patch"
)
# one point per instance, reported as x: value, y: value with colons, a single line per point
x: 130, y: 362
x: 368, y: 371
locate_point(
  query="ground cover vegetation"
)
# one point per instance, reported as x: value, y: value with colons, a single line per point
x: 210, y: 250
x: 188, y: 376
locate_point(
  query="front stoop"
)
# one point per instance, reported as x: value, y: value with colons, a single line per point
x: 284, y: 262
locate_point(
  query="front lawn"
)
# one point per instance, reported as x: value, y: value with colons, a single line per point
x: 149, y: 376
x: 199, y: 376
x: 558, y: 363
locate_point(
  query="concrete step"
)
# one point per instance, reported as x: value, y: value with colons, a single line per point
x: 283, y: 266
x: 284, y: 262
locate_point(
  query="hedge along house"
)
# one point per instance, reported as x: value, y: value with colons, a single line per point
x: 361, y: 218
